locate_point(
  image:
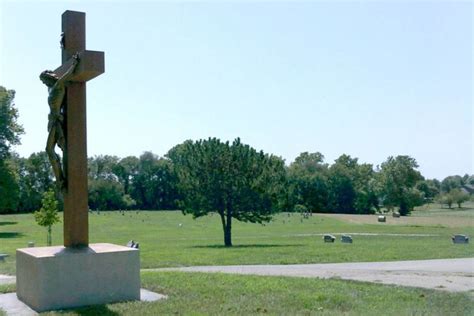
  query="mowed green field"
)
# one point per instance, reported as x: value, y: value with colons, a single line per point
x: 223, y: 294
x: 170, y: 239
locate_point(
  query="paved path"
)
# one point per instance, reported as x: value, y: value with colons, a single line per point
x: 454, y: 275
x: 10, y: 304
x: 7, y: 279
x: 14, y: 307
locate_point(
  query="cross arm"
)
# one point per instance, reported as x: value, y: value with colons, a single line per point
x: 91, y: 65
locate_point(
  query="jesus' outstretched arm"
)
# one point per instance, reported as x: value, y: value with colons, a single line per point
x: 68, y: 74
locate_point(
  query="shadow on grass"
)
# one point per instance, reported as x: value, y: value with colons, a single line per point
x: 249, y: 246
x: 462, y: 209
x: 102, y: 310
x: 10, y: 235
x: 8, y: 223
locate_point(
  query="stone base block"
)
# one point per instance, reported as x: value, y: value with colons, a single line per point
x: 49, y: 278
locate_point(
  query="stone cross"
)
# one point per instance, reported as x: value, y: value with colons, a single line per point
x: 91, y: 64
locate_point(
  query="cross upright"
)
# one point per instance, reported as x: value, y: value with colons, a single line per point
x: 91, y: 64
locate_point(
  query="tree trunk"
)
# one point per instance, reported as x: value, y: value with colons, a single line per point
x: 404, y: 209
x: 48, y: 241
x: 227, y: 227
x: 227, y: 232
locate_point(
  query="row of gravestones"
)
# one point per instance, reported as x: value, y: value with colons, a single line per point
x: 347, y: 239
x: 457, y: 239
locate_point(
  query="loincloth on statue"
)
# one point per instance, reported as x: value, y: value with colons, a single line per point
x: 55, y: 120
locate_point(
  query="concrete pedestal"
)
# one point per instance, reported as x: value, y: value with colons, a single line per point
x: 49, y: 278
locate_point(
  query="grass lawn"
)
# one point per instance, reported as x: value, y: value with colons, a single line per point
x: 288, y: 239
x: 426, y: 215
x: 434, y: 209
x: 222, y: 294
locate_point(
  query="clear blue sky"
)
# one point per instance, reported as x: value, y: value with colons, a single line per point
x: 369, y: 79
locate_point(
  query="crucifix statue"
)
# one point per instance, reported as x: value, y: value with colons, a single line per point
x: 78, y: 274
x: 67, y: 123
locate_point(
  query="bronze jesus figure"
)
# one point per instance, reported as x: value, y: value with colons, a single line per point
x: 57, y: 90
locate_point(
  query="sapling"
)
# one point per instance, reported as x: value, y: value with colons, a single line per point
x: 47, y: 216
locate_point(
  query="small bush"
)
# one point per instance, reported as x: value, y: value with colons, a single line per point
x: 300, y: 208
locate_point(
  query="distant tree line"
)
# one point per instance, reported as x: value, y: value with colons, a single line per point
x: 228, y: 178
x: 150, y: 182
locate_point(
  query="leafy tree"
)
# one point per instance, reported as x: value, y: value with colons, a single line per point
x: 398, y: 177
x: 105, y: 194
x: 9, y: 190
x: 342, y: 193
x: 429, y: 188
x: 155, y: 184
x: 458, y: 196
x: 452, y: 182
x: 233, y: 180
x: 126, y: 170
x: 307, y: 182
x: 367, y: 200
x: 47, y: 216
x: 35, y: 178
x: 101, y: 167
x: 10, y: 130
x: 446, y: 198
x: 352, y: 187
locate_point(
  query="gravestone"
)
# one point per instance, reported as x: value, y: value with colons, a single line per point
x: 347, y: 239
x: 78, y: 273
x: 329, y: 238
x: 460, y: 239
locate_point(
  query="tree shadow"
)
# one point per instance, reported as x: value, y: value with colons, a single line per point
x: 463, y: 208
x: 10, y: 235
x: 248, y: 246
x: 94, y: 310
x: 8, y: 223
